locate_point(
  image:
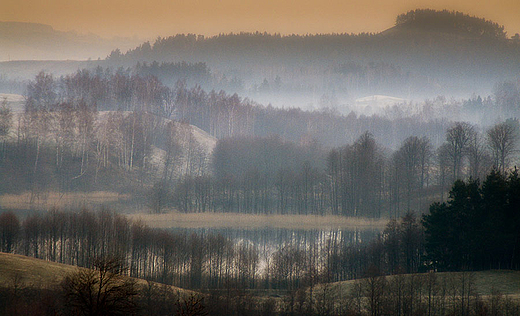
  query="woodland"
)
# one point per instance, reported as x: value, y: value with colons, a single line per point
x: 165, y: 134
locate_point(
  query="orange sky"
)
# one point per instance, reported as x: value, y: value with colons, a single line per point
x: 152, y: 18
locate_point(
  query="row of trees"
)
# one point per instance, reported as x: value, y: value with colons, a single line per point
x: 223, y: 115
x: 70, y: 146
x: 268, y: 175
x: 208, y: 261
x: 124, y: 90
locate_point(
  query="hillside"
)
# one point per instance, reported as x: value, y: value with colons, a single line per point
x: 450, y: 293
x: 506, y: 282
x: 190, y: 149
x: 425, y: 48
x: 37, y: 272
x: 31, y: 272
x: 450, y: 22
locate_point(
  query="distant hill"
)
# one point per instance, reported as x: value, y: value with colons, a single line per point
x: 34, y: 41
x: 427, y: 53
x: 450, y: 22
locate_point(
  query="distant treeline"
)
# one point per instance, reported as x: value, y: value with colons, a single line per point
x: 459, y: 54
x: 270, y: 175
x: 223, y: 115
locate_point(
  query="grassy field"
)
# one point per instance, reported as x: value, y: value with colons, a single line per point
x: 250, y: 221
x: 50, y: 200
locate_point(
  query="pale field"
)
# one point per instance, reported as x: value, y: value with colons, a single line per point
x: 174, y: 219
x: 48, y: 200
x: 250, y: 221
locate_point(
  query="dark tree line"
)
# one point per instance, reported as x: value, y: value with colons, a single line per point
x: 228, y: 271
x: 270, y: 175
x: 478, y: 228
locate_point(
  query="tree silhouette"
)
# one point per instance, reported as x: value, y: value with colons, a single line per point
x: 101, y: 291
x: 503, y: 141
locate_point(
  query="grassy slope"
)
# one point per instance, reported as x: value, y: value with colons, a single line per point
x: 33, y: 272
x: 505, y: 281
x: 43, y: 274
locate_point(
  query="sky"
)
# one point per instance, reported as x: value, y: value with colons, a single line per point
x: 148, y: 19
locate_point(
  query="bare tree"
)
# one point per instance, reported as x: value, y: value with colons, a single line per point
x: 192, y: 306
x: 478, y: 157
x: 102, y: 291
x: 503, y: 140
x: 41, y: 93
x: 458, y: 138
x: 412, y: 161
x: 6, y: 121
x: 375, y: 288
x: 9, y: 229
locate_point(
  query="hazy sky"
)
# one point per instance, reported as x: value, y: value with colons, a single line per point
x: 151, y: 18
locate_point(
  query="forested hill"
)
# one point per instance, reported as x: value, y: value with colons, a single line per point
x: 426, y: 54
x: 445, y: 21
x: 422, y: 21
x: 328, y: 48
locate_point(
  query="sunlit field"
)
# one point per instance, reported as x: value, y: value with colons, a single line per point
x: 218, y: 220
